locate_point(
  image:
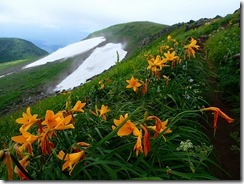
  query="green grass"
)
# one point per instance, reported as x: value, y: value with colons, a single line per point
x: 16, y: 88
x: 7, y: 65
x: 221, y: 48
x: 13, y: 66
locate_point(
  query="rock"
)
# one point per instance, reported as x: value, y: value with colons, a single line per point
x: 236, y: 57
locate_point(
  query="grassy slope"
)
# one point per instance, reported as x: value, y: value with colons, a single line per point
x: 28, y: 85
x: 15, y: 49
x: 131, y: 34
x: 26, y: 81
x: 117, y: 98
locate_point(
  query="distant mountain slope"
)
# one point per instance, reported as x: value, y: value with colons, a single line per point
x: 14, y: 49
x: 131, y: 34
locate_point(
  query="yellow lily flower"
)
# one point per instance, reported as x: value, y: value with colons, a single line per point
x: 78, y: 107
x: 190, y: 47
x: 104, y: 110
x: 53, y: 122
x: 102, y: 85
x: 138, y: 145
x: 151, y: 65
x: 64, y: 124
x: 26, y: 139
x: 133, y: 83
x: 170, y: 56
x: 70, y: 159
x: 51, y: 119
x: 27, y: 120
x: 156, y: 64
x: 127, y: 128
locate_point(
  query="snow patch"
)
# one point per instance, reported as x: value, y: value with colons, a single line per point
x: 6, y: 74
x: 102, y: 58
x: 69, y: 51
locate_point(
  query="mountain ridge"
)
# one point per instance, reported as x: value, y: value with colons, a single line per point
x: 17, y: 48
x: 130, y: 34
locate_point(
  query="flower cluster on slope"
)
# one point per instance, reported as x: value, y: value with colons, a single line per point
x: 43, y: 131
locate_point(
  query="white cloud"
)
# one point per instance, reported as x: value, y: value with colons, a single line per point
x: 66, y: 11
x: 92, y: 15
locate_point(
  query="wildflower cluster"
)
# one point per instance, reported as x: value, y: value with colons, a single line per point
x: 137, y: 129
x: 45, y: 131
x: 167, y: 57
x: 39, y: 136
x: 196, y: 154
x: 185, y: 146
x: 171, y: 55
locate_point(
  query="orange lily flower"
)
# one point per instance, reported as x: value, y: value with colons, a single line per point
x: 218, y: 112
x: 51, y: 119
x: 146, y: 141
x: 127, y: 129
x: 64, y: 124
x: 27, y: 120
x: 104, y: 110
x: 145, y: 87
x: 159, y: 126
x: 53, y: 122
x: 45, y: 144
x: 24, y: 163
x: 190, y: 47
x: 133, y: 83
x: 138, y: 145
x: 26, y: 139
x: 9, y: 164
x: 70, y: 159
x: 157, y: 64
x: 78, y: 107
x: 170, y: 56
x: 82, y: 144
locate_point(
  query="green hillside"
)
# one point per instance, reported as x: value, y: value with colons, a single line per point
x: 12, y: 49
x: 30, y: 87
x: 131, y: 34
x: 170, y: 111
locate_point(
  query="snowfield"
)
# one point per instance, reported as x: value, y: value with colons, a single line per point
x: 69, y: 51
x: 102, y: 58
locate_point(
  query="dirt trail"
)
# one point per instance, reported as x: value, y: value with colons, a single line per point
x: 228, y: 159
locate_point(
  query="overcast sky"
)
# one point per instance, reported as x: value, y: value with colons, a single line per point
x: 67, y: 21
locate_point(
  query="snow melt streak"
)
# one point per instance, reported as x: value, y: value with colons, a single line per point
x: 101, y: 59
x: 69, y: 51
